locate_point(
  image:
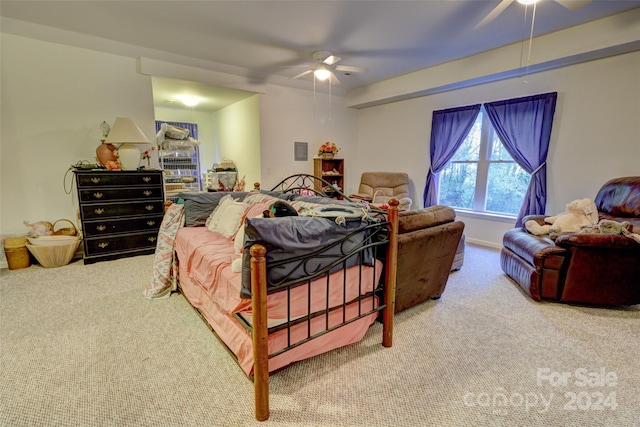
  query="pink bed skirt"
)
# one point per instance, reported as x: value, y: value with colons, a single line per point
x: 207, y: 281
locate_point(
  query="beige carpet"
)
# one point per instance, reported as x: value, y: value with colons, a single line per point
x: 81, y: 346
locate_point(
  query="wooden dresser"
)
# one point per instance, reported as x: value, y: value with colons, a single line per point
x: 121, y: 212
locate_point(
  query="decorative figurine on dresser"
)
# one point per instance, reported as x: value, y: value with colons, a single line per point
x: 120, y: 211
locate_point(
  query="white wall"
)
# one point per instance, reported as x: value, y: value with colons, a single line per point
x: 595, y: 136
x: 238, y: 138
x: 290, y: 115
x: 53, y: 99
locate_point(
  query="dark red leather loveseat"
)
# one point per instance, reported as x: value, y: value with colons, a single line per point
x: 600, y: 269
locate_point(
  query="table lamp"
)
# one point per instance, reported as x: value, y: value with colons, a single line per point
x: 124, y: 131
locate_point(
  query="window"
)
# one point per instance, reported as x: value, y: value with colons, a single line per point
x: 482, y: 176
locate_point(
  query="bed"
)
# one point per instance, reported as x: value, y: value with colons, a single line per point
x: 297, y: 286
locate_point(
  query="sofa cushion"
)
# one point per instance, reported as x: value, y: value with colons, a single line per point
x: 426, y: 217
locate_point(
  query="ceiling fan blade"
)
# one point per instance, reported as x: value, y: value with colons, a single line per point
x: 297, y: 76
x: 574, y: 4
x: 494, y: 13
x: 330, y: 60
x: 334, y: 79
x: 351, y: 69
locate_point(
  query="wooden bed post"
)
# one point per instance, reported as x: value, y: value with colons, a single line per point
x: 390, y: 277
x: 260, y: 332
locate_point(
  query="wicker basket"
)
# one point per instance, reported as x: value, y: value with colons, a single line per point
x: 65, y: 231
x: 16, y: 252
x: 54, y: 255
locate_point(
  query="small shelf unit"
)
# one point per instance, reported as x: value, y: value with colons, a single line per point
x: 332, y: 171
x: 181, y: 172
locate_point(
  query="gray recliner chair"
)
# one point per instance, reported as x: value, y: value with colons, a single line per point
x: 378, y: 188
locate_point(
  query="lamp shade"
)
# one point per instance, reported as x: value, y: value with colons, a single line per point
x: 126, y: 132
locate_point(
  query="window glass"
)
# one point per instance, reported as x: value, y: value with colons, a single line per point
x: 470, y: 148
x: 506, y: 186
x: 457, y: 183
x: 498, y: 152
x: 482, y: 175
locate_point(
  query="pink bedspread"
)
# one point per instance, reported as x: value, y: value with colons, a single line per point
x: 209, y: 283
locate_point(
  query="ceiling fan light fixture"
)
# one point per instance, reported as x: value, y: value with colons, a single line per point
x: 322, y: 73
x: 526, y: 2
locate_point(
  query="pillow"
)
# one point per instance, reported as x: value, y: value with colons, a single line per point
x: 238, y: 240
x: 236, y: 265
x: 198, y: 206
x: 251, y: 211
x: 229, y: 221
x: 255, y: 210
x: 215, y: 216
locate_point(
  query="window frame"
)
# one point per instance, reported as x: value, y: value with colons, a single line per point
x: 488, y: 137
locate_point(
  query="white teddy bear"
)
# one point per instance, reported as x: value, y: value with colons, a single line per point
x: 580, y: 213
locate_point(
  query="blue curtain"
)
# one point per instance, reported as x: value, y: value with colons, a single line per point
x: 524, y: 127
x: 449, y: 128
x: 193, y: 127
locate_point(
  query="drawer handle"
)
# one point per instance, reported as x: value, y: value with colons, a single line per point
x: 95, y: 180
x: 101, y: 227
x: 151, y: 223
x: 149, y: 207
x: 99, y: 211
x: 103, y: 245
x: 146, y: 179
x: 152, y: 239
x: 98, y: 195
x: 147, y: 193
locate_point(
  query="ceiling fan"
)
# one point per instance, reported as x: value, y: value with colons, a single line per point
x: 569, y: 4
x: 324, y: 67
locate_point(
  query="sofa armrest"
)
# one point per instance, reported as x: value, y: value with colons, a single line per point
x: 538, y: 251
x: 424, y: 218
x: 601, y: 241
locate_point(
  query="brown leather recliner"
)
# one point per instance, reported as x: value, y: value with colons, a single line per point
x: 428, y: 241
x: 601, y: 269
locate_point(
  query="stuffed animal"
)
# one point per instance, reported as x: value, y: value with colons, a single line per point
x: 607, y: 226
x: 580, y: 213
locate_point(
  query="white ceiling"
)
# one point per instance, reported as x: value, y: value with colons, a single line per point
x: 263, y: 39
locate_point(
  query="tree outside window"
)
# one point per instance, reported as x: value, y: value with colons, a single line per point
x: 482, y: 176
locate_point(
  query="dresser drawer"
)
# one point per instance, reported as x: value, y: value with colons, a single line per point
x: 110, y: 179
x: 106, y: 210
x: 109, y: 194
x: 118, y: 226
x: 106, y: 245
